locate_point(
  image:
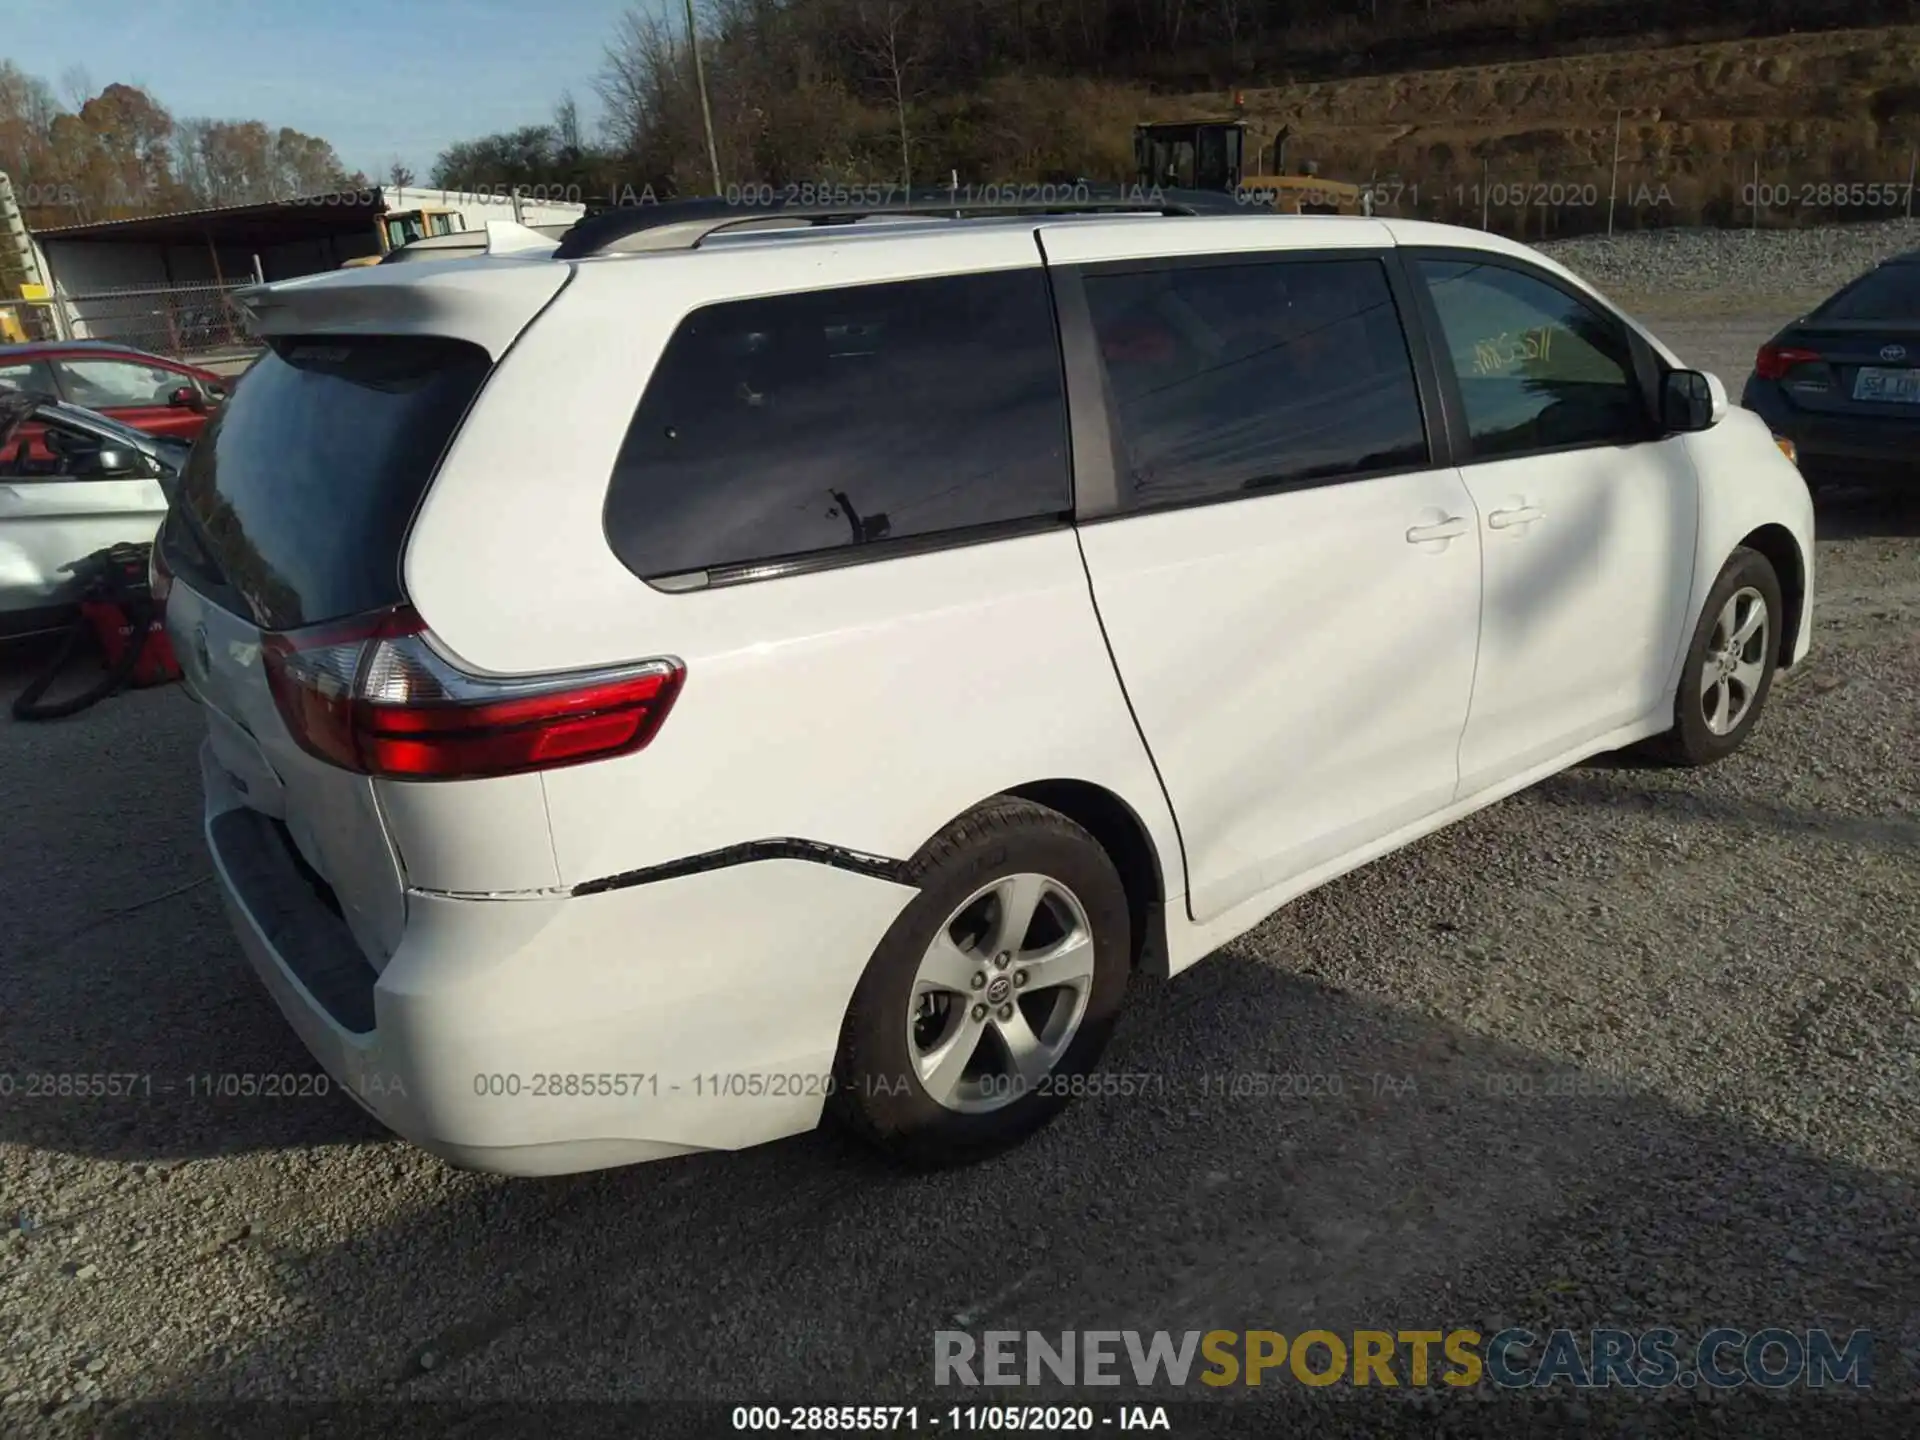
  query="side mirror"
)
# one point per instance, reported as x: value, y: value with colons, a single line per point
x: 112, y: 462
x: 1690, y: 401
x: 186, y: 398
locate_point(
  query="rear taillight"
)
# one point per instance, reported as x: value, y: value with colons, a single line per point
x: 1774, y: 361
x: 372, y: 695
x: 159, y: 578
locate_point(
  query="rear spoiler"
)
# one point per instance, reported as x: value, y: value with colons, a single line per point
x: 487, y: 305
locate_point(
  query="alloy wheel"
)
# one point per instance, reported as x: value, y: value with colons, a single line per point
x: 1000, y: 993
x: 1736, y: 660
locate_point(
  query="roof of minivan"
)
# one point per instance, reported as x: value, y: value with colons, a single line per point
x: 488, y: 300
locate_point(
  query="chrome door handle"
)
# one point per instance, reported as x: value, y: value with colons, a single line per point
x: 1449, y: 529
x: 1525, y: 515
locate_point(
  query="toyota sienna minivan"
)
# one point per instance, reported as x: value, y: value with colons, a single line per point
x: 740, y: 666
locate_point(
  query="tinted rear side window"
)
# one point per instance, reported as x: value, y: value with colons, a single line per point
x: 1890, y: 293
x: 1231, y: 379
x: 797, y: 425
x: 305, y: 482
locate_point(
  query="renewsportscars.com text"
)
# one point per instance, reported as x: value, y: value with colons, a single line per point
x: 1723, y: 1358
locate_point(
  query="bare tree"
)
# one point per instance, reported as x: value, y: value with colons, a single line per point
x: 190, y: 159
x: 639, y: 76
x: 76, y: 86
x: 892, y: 41
x: 302, y: 164
x: 566, y: 125
x: 1094, y: 23
x: 399, y: 173
x: 1232, y: 15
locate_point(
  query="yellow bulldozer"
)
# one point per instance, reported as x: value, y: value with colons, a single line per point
x: 398, y: 228
x: 1211, y: 155
x: 403, y: 227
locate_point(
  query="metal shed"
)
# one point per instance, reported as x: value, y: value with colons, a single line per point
x: 162, y: 282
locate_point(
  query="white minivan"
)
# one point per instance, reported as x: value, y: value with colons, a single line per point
x: 741, y: 665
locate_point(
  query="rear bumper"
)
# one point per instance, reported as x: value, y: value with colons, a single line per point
x: 1840, y: 446
x: 546, y: 1034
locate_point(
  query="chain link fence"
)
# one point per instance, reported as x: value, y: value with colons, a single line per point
x: 183, y: 321
x: 30, y: 320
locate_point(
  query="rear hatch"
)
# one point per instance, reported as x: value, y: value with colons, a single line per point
x: 293, y: 512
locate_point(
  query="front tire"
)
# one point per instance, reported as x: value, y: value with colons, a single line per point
x: 1730, y: 664
x: 996, y: 986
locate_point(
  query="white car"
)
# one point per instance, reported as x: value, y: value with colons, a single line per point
x: 72, y: 482
x: 731, y: 667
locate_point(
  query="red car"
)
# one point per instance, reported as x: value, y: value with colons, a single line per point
x: 160, y: 396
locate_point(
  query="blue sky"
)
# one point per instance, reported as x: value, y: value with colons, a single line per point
x: 377, y: 78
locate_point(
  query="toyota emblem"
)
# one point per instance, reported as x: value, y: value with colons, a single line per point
x: 1893, y: 352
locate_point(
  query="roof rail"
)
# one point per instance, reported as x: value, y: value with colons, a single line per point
x: 683, y: 224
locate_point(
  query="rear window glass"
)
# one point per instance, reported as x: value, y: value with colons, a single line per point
x: 792, y: 425
x: 1890, y: 293
x: 305, y: 482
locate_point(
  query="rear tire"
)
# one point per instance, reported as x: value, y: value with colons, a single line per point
x: 969, y: 1025
x: 1729, y: 666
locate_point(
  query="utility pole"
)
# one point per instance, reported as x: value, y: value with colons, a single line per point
x: 1613, y: 185
x: 706, y: 111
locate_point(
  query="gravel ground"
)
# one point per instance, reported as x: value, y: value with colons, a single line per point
x: 1732, y: 272
x: 1636, y: 1047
